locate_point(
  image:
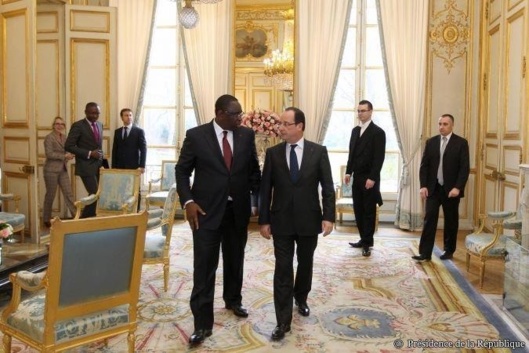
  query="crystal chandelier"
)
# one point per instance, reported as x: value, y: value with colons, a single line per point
x: 279, y: 69
x: 189, y: 16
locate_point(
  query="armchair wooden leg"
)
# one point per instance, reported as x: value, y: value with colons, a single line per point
x: 468, y: 262
x: 131, y: 340
x: 165, y: 277
x: 7, y: 343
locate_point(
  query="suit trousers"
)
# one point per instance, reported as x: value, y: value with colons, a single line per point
x: 285, y: 289
x: 206, y: 247
x: 52, y: 180
x: 90, y: 184
x: 451, y: 221
x: 365, y: 207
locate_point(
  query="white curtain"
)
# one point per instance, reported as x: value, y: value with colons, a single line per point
x: 135, y: 20
x: 404, y: 30
x: 320, y: 34
x: 207, y: 48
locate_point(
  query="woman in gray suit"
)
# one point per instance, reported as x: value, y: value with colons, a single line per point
x: 55, y: 171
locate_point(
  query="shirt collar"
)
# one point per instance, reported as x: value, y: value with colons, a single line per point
x: 218, y: 129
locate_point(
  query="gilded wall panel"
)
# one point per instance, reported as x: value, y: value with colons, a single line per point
x: 21, y: 183
x: 48, y: 82
x: 15, y: 76
x: 18, y: 151
x: 512, y: 159
x: 48, y: 22
x: 90, y: 77
x: 491, y: 156
x: 493, y: 84
x: 494, y: 8
x: 90, y: 21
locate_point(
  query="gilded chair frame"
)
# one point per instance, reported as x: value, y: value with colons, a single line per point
x: 158, y: 246
x: 17, y: 228
x: 164, y: 181
x: 110, y: 193
x: 77, y: 260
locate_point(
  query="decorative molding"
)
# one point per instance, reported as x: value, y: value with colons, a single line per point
x: 449, y: 34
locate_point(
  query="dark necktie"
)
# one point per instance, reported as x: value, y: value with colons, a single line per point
x: 124, y: 132
x: 226, y: 150
x: 294, y: 166
x: 95, y: 130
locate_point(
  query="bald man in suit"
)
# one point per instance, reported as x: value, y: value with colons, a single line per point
x: 85, y: 142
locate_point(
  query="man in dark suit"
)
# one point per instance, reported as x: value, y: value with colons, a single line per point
x: 443, y: 175
x: 84, y: 141
x: 367, y: 150
x: 129, y: 149
x: 218, y: 205
x: 290, y: 211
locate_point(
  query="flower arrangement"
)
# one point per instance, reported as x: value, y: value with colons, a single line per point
x: 263, y: 122
x: 6, y: 230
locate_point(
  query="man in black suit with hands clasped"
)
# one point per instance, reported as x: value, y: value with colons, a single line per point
x: 218, y: 205
x: 443, y: 175
x: 129, y: 149
x: 290, y: 212
x: 367, y: 150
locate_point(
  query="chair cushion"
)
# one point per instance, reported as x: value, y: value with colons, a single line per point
x: 158, y: 197
x: 154, y: 244
x: 501, y: 214
x: 14, y: 219
x: 477, y: 242
x: 345, y: 203
x: 29, y: 318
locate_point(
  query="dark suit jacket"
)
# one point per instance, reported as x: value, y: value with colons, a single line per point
x: 370, y: 152
x: 456, y: 165
x: 129, y: 153
x: 81, y: 141
x: 294, y: 208
x: 212, y: 181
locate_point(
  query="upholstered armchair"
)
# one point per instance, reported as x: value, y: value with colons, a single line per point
x: 117, y: 193
x: 89, y: 292
x: 164, y: 182
x: 158, y: 239
x: 491, y: 246
x: 344, y: 199
x: 15, y: 219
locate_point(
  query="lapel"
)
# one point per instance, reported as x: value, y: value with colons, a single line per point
x: 362, y: 142
x: 308, y: 153
x: 237, y: 146
x: 213, y: 143
x: 355, y: 135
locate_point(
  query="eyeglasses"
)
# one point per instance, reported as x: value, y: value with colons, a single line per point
x: 363, y: 111
x: 286, y: 123
x: 234, y: 114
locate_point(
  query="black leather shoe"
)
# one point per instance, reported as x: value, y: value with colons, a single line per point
x: 303, y: 308
x: 447, y: 255
x: 356, y: 245
x: 199, y: 336
x: 238, y: 310
x: 421, y: 258
x: 366, y: 252
x: 279, y: 332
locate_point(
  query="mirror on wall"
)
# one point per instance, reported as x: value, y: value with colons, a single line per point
x: 264, y: 54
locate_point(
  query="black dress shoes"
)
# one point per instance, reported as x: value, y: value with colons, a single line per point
x: 447, y: 255
x: 238, y: 310
x: 303, y: 308
x: 421, y: 258
x: 356, y: 245
x: 199, y: 336
x: 279, y: 332
x: 366, y: 252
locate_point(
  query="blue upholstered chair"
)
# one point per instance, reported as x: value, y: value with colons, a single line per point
x: 89, y: 292
x: 117, y: 193
x: 159, y: 229
x: 15, y: 219
x: 491, y: 246
x: 167, y: 178
x: 344, y: 199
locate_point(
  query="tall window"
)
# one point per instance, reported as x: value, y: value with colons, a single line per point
x: 167, y: 105
x: 362, y: 77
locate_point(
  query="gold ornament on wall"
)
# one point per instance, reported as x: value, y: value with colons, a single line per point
x: 449, y: 34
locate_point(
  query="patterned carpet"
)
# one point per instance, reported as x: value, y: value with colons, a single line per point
x: 384, y: 303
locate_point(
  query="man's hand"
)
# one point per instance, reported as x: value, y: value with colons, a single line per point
x: 424, y: 193
x: 347, y: 179
x: 142, y: 170
x: 326, y: 227
x: 254, y: 211
x: 454, y: 192
x: 369, y: 183
x: 264, y: 229
x: 192, y: 211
